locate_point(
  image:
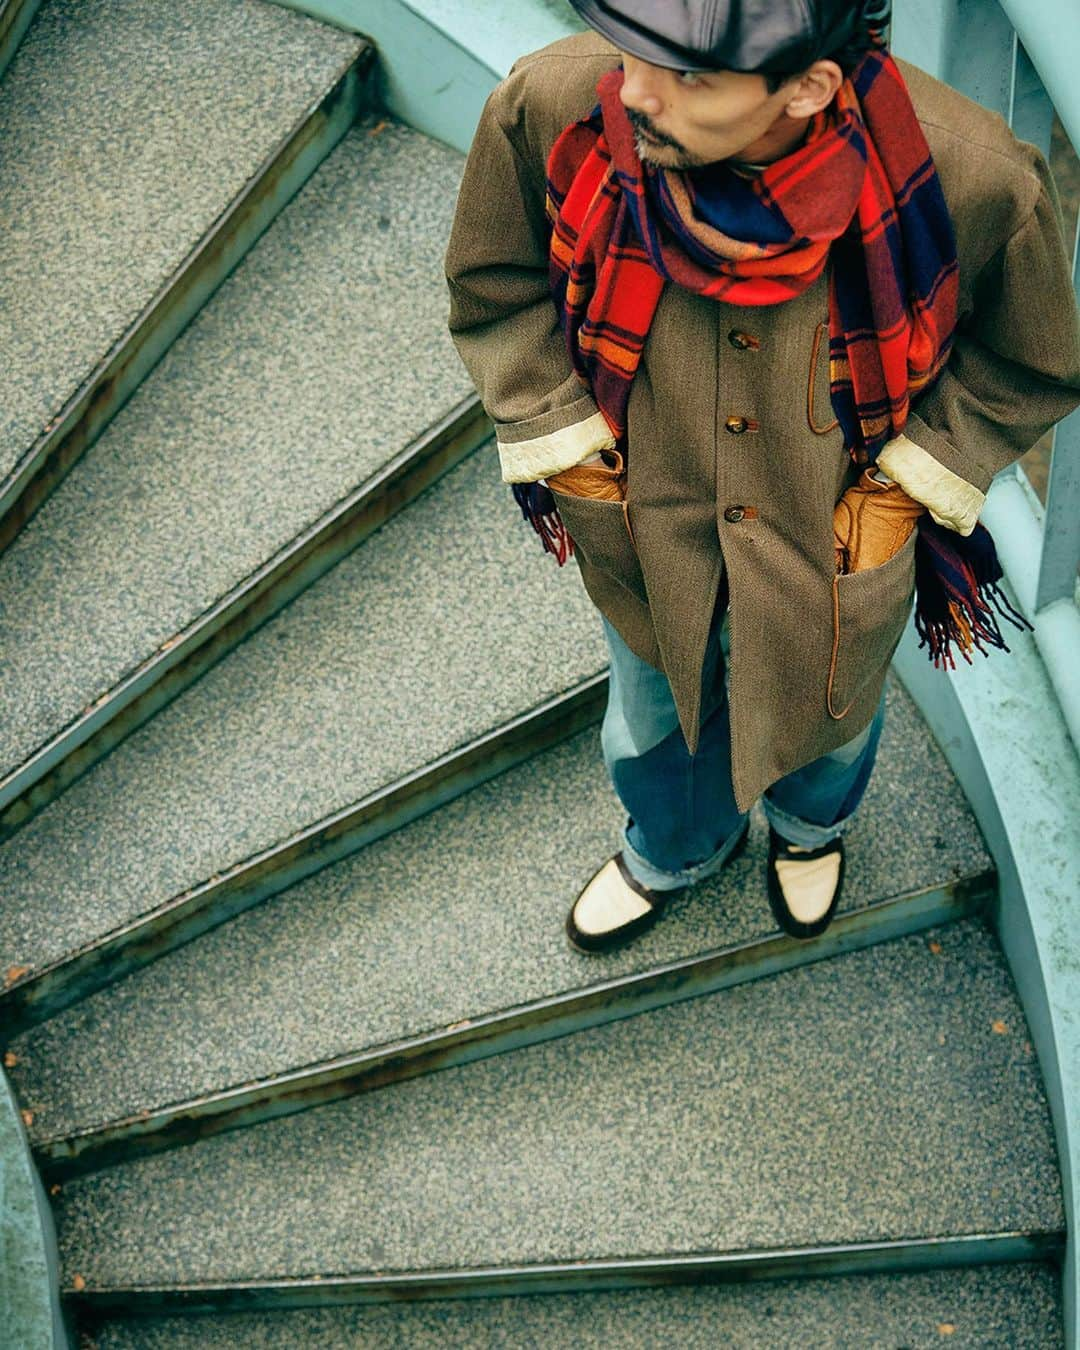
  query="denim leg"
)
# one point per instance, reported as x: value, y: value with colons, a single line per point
x: 683, y: 821
x: 814, y: 804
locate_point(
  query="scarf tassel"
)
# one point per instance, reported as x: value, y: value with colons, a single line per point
x: 539, y: 509
x: 956, y: 581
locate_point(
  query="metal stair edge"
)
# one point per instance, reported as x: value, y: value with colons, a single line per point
x: 184, y: 657
x: 118, y: 374
x: 30, y: 996
x: 891, y: 1256
x: 15, y: 18
x: 500, y: 1031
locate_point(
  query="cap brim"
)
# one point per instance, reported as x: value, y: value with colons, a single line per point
x: 629, y: 38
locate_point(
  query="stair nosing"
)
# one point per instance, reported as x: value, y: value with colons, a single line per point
x: 69, y: 433
x: 38, y: 994
x: 334, y: 533
x: 891, y: 1255
x: 504, y: 1030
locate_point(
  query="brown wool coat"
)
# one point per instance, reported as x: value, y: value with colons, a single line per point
x: 809, y: 649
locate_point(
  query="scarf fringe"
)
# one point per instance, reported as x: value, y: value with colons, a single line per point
x: 539, y: 509
x: 956, y: 581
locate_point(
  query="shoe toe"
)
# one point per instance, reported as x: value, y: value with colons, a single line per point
x: 808, y: 887
x: 607, y: 903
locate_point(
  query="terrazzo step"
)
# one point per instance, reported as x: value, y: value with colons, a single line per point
x: 147, y: 144
x: 1018, y: 1306
x: 378, y: 693
x: 312, y: 397
x: 15, y: 17
x: 883, y: 1111
x: 443, y: 942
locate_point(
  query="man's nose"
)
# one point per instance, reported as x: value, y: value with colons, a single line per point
x: 639, y: 90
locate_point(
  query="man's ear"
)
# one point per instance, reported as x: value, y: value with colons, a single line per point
x: 815, y: 90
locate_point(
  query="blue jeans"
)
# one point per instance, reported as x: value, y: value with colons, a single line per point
x: 683, y: 822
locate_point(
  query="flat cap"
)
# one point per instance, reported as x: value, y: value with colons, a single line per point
x: 765, y: 36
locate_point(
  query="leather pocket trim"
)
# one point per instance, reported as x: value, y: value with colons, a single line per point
x: 815, y: 427
x: 875, y: 596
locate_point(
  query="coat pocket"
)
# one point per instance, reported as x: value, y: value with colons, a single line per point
x: 869, y: 610
x: 819, y: 409
x: 602, y: 537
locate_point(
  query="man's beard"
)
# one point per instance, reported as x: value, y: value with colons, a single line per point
x: 667, y: 152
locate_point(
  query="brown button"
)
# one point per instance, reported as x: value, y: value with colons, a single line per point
x: 733, y: 514
x: 743, y: 341
x: 737, y: 425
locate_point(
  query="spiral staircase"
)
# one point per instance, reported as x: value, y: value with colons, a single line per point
x: 293, y: 802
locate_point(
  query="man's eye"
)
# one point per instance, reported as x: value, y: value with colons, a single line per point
x: 688, y: 77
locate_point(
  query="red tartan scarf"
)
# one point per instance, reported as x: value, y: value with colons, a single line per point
x: 861, y: 191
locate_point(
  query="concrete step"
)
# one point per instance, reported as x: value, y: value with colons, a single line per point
x: 147, y: 143
x: 1018, y: 1306
x: 880, y: 1111
x: 473, y: 896
x: 314, y: 394
x: 262, y: 771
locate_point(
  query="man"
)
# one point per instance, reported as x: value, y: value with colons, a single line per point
x: 757, y: 313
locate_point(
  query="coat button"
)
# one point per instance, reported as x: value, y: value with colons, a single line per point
x: 737, y: 425
x: 743, y: 341
x: 733, y: 514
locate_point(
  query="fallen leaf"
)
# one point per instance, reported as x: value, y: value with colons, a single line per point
x: 28, y: 1117
x: 941, y: 1038
x: 14, y: 973
x: 10, y: 1059
x: 999, y: 1026
x: 379, y: 126
x: 935, y: 947
x: 77, y: 1282
x: 946, y: 1328
x: 54, y: 1189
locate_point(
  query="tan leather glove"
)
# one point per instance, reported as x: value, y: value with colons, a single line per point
x: 603, y: 478
x: 872, y: 521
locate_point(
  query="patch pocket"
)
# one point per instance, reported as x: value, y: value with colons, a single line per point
x: 819, y: 409
x: 870, y: 610
x: 602, y: 536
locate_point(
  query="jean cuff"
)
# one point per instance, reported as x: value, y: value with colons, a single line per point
x: 801, y: 833
x: 659, y: 880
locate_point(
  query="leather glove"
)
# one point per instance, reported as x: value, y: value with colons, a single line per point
x: 871, y: 522
x: 593, y: 478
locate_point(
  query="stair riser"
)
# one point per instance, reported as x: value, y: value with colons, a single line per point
x: 547, y: 1019
x: 108, y: 388
x: 37, y: 997
x: 586, y: 1276
x: 159, y: 680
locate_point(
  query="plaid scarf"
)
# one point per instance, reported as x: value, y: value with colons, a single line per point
x: 861, y: 191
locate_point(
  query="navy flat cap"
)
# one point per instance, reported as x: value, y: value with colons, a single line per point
x: 765, y: 36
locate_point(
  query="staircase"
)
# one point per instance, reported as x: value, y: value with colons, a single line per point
x: 293, y: 804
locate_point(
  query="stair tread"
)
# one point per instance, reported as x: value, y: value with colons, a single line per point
x: 859, y: 1099
x: 319, y: 359
x: 1006, y: 1305
x: 329, y: 700
x: 114, y: 183
x: 473, y: 896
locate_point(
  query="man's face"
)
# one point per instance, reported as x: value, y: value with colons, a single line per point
x: 687, y: 118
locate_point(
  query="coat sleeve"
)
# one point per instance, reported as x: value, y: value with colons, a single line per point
x: 1013, y: 373
x: 502, y: 317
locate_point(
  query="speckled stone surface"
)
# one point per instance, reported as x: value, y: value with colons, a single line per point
x: 864, y: 1098
x: 321, y: 357
x: 457, y: 915
x: 1005, y: 1307
x: 128, y: 126
x: 409, y: 647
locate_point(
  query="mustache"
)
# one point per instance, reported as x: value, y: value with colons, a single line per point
x: 640, y: 122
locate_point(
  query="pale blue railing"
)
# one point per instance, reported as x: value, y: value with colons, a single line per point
x: 1020, y: 58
